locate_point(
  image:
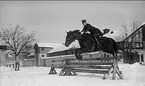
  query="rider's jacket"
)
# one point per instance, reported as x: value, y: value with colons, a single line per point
x: 92, y: 30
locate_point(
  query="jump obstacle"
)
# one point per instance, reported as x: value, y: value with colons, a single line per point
x: 98, y: 65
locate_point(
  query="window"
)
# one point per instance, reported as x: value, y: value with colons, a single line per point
x: 42, y: 48
x: 142, y: 59
x: 104, y: 55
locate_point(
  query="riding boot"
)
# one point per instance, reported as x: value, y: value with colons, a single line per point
x: 98, y: 44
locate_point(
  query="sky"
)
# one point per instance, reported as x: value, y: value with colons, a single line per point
x: 51, y: 19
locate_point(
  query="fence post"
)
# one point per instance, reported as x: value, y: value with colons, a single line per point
x: 52, y: 70
x: 114, y: 68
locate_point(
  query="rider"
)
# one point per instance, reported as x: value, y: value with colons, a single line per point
x: 95, y: 32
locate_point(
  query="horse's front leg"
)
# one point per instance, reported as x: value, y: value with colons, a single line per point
x: 78, y: 54
x: 81, y: 63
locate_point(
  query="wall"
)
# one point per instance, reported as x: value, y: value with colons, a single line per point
x: 38, y: 55
x: 29, y: 63
x: 48, y: 62
x: 2, y: 57
x: 144, y: 56
x: 45, y: 49
x: 143, y: 34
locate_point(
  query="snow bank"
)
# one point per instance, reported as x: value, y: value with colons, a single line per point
x: 2, y: 69
x: 135, y: 65
x: 38, y: 76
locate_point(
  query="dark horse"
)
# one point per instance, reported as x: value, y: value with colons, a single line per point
x: 87, y: 43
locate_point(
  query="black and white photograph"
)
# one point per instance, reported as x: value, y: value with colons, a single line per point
x: 72, y: 43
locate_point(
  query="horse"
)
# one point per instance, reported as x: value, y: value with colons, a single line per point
x: 87, y: 43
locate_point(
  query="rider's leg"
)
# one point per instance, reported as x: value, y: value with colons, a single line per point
x: 98, y: 43
x: 93, y: 47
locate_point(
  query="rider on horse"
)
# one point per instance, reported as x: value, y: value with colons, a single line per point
x: 95, y: 32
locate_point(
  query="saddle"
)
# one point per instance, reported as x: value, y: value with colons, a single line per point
x: 94, y: 39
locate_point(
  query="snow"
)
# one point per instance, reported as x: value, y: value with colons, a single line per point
x: 72, y: 55
x: 38, y: 76
x: 53, y: 45
x: 60, y: 47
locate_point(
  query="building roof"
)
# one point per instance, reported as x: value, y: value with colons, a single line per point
x: 59, y: 48
x: 48, y: 44
x: 32, y: 54
x: 62, y: 47
x: 142, y: 24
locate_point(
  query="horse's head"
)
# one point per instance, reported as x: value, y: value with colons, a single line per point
x: 72, y: 36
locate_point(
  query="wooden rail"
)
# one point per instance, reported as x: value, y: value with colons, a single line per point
x: 98, y: 65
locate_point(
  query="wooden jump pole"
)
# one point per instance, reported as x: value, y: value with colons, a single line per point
x: 71, y: 66
x: 114, y: 69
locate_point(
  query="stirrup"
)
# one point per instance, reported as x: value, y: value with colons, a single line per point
x: 99, y: 47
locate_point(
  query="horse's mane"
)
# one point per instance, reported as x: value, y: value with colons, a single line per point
x: 76, y: 31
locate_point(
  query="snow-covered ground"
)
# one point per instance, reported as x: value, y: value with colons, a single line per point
x: 134, y: 75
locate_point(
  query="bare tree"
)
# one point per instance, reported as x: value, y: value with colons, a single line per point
x: 124, y: 32
x: 135, y: 25
x: 127, y: 29
x: 28, y: 49
x: 17, y: 40
x: 118, y: 38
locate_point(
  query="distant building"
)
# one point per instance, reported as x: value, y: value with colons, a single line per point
x: 134, y: 46
x: 3, y: 54
x: 5, y: 58
x: 10, y: 59
x: 40, y: 50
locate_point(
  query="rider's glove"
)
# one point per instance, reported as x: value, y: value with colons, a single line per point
x: 88, y: 32
x: 82, y: 32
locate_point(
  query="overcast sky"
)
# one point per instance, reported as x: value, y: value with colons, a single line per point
x: 52, y: 19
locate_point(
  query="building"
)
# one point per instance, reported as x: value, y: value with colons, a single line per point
x: 3, y: 54
x: 134, y: 46
x: 6, y: 59
x: 40, y: 50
